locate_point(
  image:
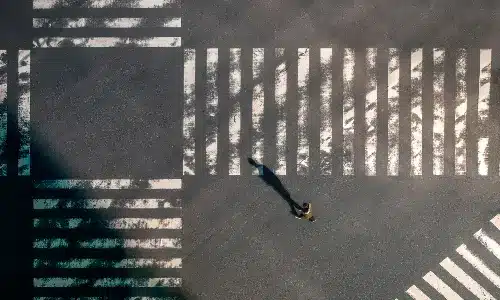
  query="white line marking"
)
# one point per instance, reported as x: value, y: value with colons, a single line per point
x: 483, y: 108
x: 466, y: 280
x: 105, y: 22
x: 477, y: 263
x: 235, y: 116
x: 326, y: 130
x: 393, y: 99
x: 348, y: 112
x: 441, y: 287
x: 257, y: 106
x: 303, y: 93
x: 24, y: 85
x: 103, y: 203
x: 106, y: 42
x: 118, y: 223
x: 83, y: 263
x: 438, y: 122
x: 416, y: 112
x: 461, y: 113
x: 488, y: 242
x: 371, y: 113
x: 211, y: 110
x: 108, y: 243
x: 3, y: 115
x: 106, y: 282
x: 280, y: 77
x: 189, y: 117
x: 496, y: 221
x: 48, y: 4
x: 109, y: 184
x: 416, y: 293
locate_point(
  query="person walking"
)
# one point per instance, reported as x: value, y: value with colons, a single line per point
x: 307, y: 213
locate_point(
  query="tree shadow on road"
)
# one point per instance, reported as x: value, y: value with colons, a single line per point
x: 268, y: 176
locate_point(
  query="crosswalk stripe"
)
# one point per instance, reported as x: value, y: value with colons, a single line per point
x: 483, y: 109
x: 488, y: 242
x: 303, y: 120
x: 438, y: 119
x: 106, y: 282
x: 441, y: 287
x: 348, y: 111
x: 235, y: 116
x: 474, y: 287
x: 107, y: 243
x: 212, y: 103
x: 460, y: 112
x: 3, y: 112
x: 496, y: 221
x: 107, y: 42
x: 106, y: 22
x: 189, y: 119
x: 326, y: 130
x: 105, y: 203
x: 81, y: 263
x: 257, y: 106
x: 109, y: 184
x: 280, y: 76
x: 23, y: 114
x: 371, y: 113
x: 417, y: 294
x: 48, y: 4
x: 118, y: 223
x: 477, y: 263
x: 393, y: 126
x: 416, y: 111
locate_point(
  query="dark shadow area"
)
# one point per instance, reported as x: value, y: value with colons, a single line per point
x: 272, y: 180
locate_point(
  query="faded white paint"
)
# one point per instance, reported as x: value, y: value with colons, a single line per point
x: 438, y: 120
x: 483, y: 108
x: 48, y: 4
x: 106, y: 282
x: 348, y: 112
x: 117, y: 223
x: 488, y: 242
x: 3, y: 116
x: 106, y: 42
x: 280, y: 77
x: 23, y: 117
x: 101, y: 22
x: 189, y: 112
x: 393, y: 106
x: 467, y: 281
x: 108, y: 243
x: 303, y: 113
x: 477, y: 263
x: 326, y: 129
x: 108, y: 184
x: 496, y: 221
x: 416, y: 293
x: 104, y: 203
x: 257, y: 106
x: 82, y: 263
x: 441, y: 287
x: 212, y: 103
x: 235, y: 114
x: 371, y: 113
x: 416, y: 112
x: 460, y: 112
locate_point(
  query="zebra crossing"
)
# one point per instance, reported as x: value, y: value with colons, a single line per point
x: 105, y: 243
x: 484, y: 287
x: 289, y: 75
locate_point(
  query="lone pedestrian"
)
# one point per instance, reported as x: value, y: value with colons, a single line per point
x: 306, y: 213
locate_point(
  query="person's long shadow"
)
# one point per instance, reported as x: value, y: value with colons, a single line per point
x: 272, y: 180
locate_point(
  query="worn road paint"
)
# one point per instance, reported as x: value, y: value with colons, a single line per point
x: 106, y: 282
x: 326, y: 130
x: 48, y: 4
x: 23, y: 117
x: 235, y: 110
x: 258, y: 107
x: 212, y: 103
x: 106, y: 42
x: 393, y: 106
x: 280, y: 77
x: 461, y: 112
x: 348, y: 112
x: 303, y: 113
x: 118, y: 223
x: 109, y: 184
x: 189, y: 112
x: 3, y: 112
x: 483, y: 110
x: 108, y: 243
x: 416, y: 112
x: 106, y: 22
x: 105, y: 203
x: 83, y: 263
x: 438, y: 119
x: 371, y: 113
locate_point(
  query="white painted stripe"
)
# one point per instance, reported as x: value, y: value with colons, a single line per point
x: 257, y: 106
x: 24, y: 85
x: 109, y: 184
x: 235, y: 115
x: 371, y: 113
x: 47, y: 4
x: 106, y: 282
x: 460, y: 112
x: 82, y: 263
x: 496, y: 221
x: 416, y: 112
x: 483, y: 108
x: 303, y: 114
x: 477, y: 263
x: 189, y: 114
x: 108, y: 243
x: 326, y: 129
x: 348, y: 112
x: 105, y: 203
x: 106, y: 42
x: 441, y: 287
x: 466, y: 280
x: 280, y: 77
x: 416, y: 293
x: 3, y: 115
x: 211, y: 110
x: 61, y: 298
x: 118, y: 223
x: 393, y: 103
x: 105, y: 22
x: 438, y: 121
x: 488, y: 242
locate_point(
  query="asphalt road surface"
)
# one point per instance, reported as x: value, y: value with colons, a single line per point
x: 118, y: 113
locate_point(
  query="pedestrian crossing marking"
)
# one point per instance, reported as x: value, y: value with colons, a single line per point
x: 3, y: 112
x: 460, y: 275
